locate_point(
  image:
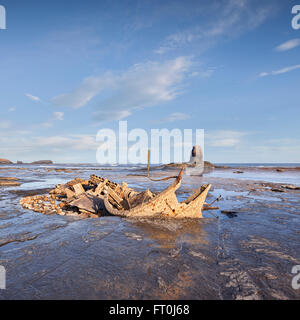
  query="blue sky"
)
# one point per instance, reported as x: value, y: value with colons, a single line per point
x: 68, y: 69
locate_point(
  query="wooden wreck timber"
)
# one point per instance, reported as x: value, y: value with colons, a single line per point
x: 98, y: 196
x: 163, y: 204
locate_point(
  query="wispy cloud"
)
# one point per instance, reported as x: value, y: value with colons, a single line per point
x: 175, y: 116
x: 31, y: 97
x: 5, y: 124
x: 205, y: 73
x: 280, y: 71
x: 71, y: 142
x: 12, y: 109
x: 257, y: 150
x: 288, y: 45
x: 65, y: 148
x: 281, y: 150
x: 47, y: 124
x: 224, y: 138
x: 144, y: 85
x: 234, y: 18
x: 58, y: 116
x: 90, y: 88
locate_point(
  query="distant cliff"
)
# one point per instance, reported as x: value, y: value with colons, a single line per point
x: 5, y: 161
x: 42, y: 162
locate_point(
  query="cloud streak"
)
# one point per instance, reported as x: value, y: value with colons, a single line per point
x: 58, y: 116
x: 89, y: 88
x: 224, y: 138
x: 175, y: 116
x: 234, y: 18
x: 288, y: 45
x: 144, y: 85
x: 280, y: 71
x: 31, y: 97
x: 5, y: 124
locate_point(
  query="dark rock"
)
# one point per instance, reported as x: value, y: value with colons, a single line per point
x: 42, y: 162
x: 5, y: 161
x: 208, y: 164
x: 230, y: 213
x: 196, y: 160
x: 277, y: 190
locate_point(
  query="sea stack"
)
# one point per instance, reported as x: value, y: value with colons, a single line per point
x: 196, y: 156
x: 195, y: 167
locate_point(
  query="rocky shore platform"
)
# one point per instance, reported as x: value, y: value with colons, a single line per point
x: 244, y: 250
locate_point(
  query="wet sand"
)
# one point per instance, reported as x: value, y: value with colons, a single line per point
x: 246, y: 253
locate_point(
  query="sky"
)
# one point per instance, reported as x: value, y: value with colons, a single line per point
x: 71, y: 68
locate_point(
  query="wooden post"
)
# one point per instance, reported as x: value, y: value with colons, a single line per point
x: 148, y: 166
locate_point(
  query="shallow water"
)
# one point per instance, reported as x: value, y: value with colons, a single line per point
x: 287, y: 177
x: 245, y: 255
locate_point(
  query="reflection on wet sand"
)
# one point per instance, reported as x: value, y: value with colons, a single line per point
x: 170, y: 234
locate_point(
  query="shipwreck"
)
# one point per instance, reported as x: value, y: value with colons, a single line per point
x: 99, y: 197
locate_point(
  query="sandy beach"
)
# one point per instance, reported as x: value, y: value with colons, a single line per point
x: 244, y: 250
